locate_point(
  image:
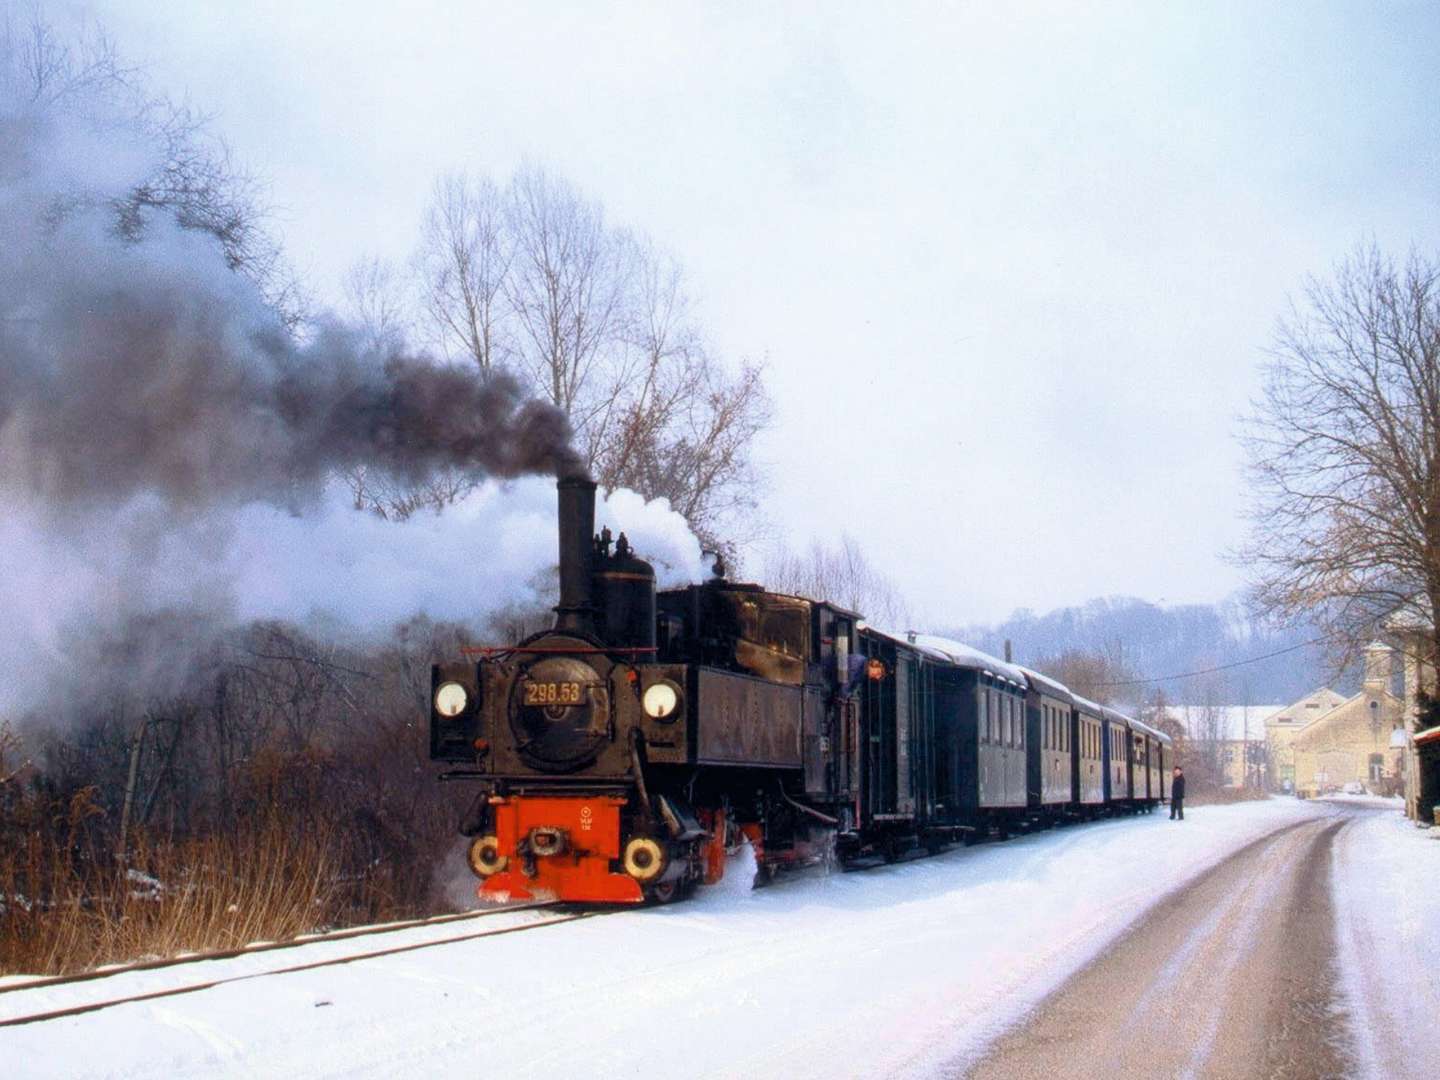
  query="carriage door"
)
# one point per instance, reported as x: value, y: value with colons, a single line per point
x: 906, y: 682
x: 877, y: 733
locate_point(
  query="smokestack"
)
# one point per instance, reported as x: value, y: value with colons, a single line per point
x: 576, y: 610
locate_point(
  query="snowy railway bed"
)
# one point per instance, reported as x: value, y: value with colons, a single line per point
x: 917, y: 968
x: 17, y: 983
x: 62, y: 1001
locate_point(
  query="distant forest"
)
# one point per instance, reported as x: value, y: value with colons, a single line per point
x: 1151, y: 642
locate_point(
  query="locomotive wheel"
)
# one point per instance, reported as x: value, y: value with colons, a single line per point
x: 668, y: 892
x: 644, y: 859
x: 485, y: 857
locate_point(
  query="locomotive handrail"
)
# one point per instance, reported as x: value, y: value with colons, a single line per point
x: 489, y: 651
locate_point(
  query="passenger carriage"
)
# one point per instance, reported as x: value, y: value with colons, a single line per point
x: 1050, y: 770
x: 1119, y: 776
x: 1151, y: 748
x: 1088, y: 755
x: 988, y: 695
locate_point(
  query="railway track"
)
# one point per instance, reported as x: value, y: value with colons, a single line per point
x: 273, y: 946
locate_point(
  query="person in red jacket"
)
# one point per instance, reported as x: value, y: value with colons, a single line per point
x: 1177, y: 795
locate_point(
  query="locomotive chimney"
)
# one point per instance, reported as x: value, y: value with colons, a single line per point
x: 576, y: 610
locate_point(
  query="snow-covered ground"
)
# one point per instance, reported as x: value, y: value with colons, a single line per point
x: 897, y: 970
x: 1386, y: 886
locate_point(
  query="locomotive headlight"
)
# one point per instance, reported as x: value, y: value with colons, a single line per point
x: 661, y: 700
x: 451, y: 699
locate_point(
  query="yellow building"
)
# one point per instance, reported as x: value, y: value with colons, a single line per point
x: 1282, y: 726
x: 1342, y: 741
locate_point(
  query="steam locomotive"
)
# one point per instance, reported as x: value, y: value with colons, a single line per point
x: 620, y: 754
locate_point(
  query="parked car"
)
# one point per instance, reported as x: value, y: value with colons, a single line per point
x: 1354, y: 787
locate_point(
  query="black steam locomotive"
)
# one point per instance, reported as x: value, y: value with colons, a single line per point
x: 619, y: 754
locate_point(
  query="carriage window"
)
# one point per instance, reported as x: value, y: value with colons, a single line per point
x: 983, y: 722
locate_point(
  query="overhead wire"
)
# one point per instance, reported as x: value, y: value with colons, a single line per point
x: 1220, y: 667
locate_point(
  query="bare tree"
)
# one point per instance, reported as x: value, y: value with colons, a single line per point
x: 375, y: 296
x: 1097, y: 674
x: 681, y: 429
x: 531, y: 278
x: 569, y: 289
x: 843, y: 575
x: 1344, y: 453
x: 10, y: 764
x: 463, y: 265
x: 192, y: 178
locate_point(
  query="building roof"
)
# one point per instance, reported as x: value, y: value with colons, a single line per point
x: 1414, y: 616
x: 1309, y: 708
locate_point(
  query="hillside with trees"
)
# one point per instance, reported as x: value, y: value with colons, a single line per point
x: 1132, y: 639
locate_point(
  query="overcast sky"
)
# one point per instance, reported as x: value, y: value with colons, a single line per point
x: 1012, y: 271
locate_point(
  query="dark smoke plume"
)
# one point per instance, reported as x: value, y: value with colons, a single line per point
x: 152, y: 366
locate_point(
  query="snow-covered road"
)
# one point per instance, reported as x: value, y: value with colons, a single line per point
x: 903, y: 969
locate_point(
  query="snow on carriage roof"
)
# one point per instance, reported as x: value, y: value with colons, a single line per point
x: 967, y: 656
x: 1154, y: 733
x: 1053, y: 687
x: 1115, y: 715
x: 953, y: 652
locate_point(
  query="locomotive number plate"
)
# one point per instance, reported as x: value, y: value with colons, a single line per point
x: 552, y: 693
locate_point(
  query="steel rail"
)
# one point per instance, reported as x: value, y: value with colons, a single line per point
x: 265, y: 946
x: 191, y: 988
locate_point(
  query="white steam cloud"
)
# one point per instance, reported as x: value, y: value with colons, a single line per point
x: 349, y: 570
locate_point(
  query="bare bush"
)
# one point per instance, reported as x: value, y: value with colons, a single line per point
x: 291, y: 789
x: 843, y: 575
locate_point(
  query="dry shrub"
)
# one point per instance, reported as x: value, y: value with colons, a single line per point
x: 67, y: 910
x: 292, y: 792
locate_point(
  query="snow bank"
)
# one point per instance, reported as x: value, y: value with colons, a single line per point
x: 1386, y: 883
